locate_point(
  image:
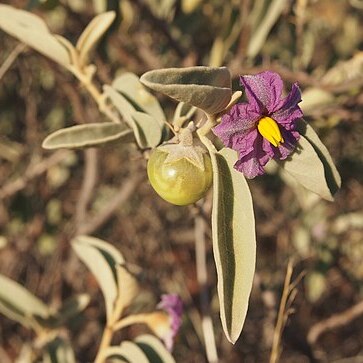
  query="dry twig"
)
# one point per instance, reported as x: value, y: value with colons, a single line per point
x: 288, y: 296
x: 335, y: 321
x: 102, y: 217
x: 11, y: 59
x: 33, y: 171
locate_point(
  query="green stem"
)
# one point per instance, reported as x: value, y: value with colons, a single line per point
x: 109, y: 330
x: 129, y: 320
x: 99, y: 97
x: 105, y: 343
x: 211, y: 122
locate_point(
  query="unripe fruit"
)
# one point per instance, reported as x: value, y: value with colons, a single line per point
x: 179, y: 182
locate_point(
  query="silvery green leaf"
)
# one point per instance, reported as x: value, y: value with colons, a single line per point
x: 258, y: 38
x: 31, y: 30
x: 17, y: 303
x: 130, y: 86
x: 101, y: 258
x: 112, y: 254
x: 207, y: 88
x: 87, y: 135
x: 149, y: 130
x: 146, y: 128
x: 72, y: 51
x: 59, y: 350
x: 346, y: 72
x: 92, y: 34
x: 234, y: 239
x: 313, y: 98
x: 307, y: 168
x: 69, y: 309
x: 123, y: 106
x: 332, y: 175
x: 154, y: 349
x: 128, y: 287
x: 126, y: 352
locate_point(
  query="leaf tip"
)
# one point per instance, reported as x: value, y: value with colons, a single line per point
x: 45, y: 144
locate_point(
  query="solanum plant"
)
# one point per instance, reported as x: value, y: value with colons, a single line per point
x: 215, y: 138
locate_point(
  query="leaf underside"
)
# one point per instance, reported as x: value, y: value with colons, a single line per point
x: 234, y: 240
x: 311, y: 164
x: 88, y: 135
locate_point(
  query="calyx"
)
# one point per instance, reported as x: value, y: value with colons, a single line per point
x: 185, y: 146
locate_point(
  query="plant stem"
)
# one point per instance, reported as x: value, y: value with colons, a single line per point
x: 105, y: 342
x: 11, y: 59
x: 129, y: 320
x: 211, y: 122
x: 202, y: 277
x: 100, y: 99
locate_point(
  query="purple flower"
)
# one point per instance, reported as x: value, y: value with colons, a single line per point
x: 263, y: 128
x: 173, y: 306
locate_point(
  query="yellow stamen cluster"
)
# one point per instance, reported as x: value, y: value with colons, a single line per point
x: 269, y: 129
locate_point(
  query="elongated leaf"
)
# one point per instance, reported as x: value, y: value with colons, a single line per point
x: 314, y: 98
x: 128, y: 287
x: 31, y: 30
x: 72, y: 51
x: 18, y: 303
x: 154, y: 349
x: 258, y: 38
x: 70, y: 308
x: 127, y: 351
x: 93, y: 33
x: 308, y: 169
x: 101, y: 258
x: 348, y: 72
x: 234, y: 240
x: 146, y: 129
x: 332, y: 176
x: 150, y: 130
x: 130, y: 86
x: 112, y: 254
x: 87, y: 135
x: 207, y: 88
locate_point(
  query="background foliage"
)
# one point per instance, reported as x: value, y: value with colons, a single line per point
x: 48, y: 197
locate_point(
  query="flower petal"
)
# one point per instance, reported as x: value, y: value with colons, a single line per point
x: 263, y: 90
x: 249, y: 166
x: 173, y: 306
x: 246, y: 143
x: 237, y: 122
x: 255, y: 154
x: 288, y: 146
x: 288, y: 110
x: 268, y: 152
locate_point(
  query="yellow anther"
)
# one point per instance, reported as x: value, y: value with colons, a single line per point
x: 269, y: 129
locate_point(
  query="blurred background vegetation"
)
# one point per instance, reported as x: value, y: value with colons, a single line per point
x: 42, y: 193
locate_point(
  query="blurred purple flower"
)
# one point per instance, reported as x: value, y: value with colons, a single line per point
x: 173, y: 306
x: 264, y: 127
